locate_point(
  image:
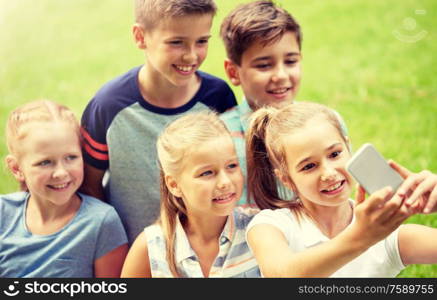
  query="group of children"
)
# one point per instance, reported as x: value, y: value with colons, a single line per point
x: 194, y: 185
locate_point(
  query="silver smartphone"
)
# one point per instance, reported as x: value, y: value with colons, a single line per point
x: 371, y: 170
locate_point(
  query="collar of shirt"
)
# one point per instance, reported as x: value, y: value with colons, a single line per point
x: 313, y: 236
x: 183, y: 248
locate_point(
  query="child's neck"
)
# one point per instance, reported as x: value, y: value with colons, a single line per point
x: 160, y: 92
x: 331, y: 220
x: 205, y: 229
x: 203, y: 235
x: 45, y: 218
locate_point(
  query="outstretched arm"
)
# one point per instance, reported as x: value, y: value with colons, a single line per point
x: 137, y: 262
x: 376, y: 218
x: 418, y: 244
x: 275, y: 258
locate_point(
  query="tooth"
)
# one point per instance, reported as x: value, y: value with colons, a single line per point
x: 184, y: 68
x: 60, y: 186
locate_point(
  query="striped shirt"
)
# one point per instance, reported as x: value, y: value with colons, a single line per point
x: 233, y: 260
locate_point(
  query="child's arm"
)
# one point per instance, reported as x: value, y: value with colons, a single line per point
x: 275, y: 258
x: 418, y: 244
x: 137, y: 262
x: 424, y: 184
x: 110, y: 264
x: 92, y: 182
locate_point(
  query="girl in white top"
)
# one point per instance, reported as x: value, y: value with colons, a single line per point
x: 323, y: 233
x: 200, y: 232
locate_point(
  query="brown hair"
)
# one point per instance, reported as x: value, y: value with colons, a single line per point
x: 258, y: 21
x: 173, y: 145
x: 265, y: 151
x: 149, y: 12
x: 36, y: 111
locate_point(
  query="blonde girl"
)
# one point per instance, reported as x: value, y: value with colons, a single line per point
x: 49, y: 229
x: 323, y: 233
x: 200, y: 232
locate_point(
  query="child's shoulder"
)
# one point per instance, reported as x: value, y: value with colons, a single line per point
x: 210, y: 78
x: 153, y: 234
x: 11, y: 206
x: 231, y: 114
x: 243, y: 215
x: 123, y: 86
x: 153, y: 229
x: 14, y: 199
x: 120, y: 80
x: 215, y: 93
x: 213, y: 82
x: 113, y: 97
x: 276, y: 216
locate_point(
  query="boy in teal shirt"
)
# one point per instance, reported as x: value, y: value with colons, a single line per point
x: 263, y: 43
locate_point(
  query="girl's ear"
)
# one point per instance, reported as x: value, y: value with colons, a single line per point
x: 232, y: 72
x: 172, y: 186
x: 14, y: 167
x: 138, y: 33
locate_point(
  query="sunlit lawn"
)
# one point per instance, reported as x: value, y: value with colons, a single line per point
x: 372, y: 61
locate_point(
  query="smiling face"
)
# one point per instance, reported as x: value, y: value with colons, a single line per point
x: 210, y: 181
x: 50, y: 162
x: 176, y: 47
x: 268, y: 74
x: 316, y: 156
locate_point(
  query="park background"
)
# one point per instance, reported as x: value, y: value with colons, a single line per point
x: 372, y: 61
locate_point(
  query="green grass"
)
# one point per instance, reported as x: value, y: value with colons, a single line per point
x: 385, y: 89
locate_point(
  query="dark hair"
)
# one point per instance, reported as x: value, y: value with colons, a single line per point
x: 259, y: 21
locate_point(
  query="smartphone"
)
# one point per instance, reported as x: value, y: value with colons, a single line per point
x: 371, y: 170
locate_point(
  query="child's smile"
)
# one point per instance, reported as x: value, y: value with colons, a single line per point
x: 52, y: 163
x: 211, y: 181
x: 270, y: 74
x: 316, y: 157
x: 177, y: 47
x: 335, y: 188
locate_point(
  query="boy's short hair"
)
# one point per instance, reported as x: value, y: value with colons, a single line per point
x: 261, y: 21
x: 149, y: 12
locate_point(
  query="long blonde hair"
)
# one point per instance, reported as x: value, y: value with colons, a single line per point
x: 173, y: 145
x: 265, y: 149
x: 36, y: 111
